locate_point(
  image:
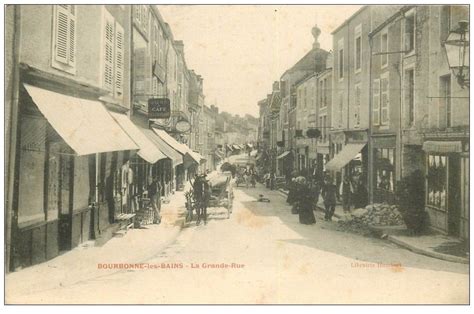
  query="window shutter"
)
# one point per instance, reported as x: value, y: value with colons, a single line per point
x: 384, y: 101
x: 376, y: 104
x: 108, y: 51
x: 119, y: 60
x: 72, y: 37
x: 61, y: 34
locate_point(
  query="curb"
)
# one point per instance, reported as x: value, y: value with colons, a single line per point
x: 446, y: 257
x: 449, y: 258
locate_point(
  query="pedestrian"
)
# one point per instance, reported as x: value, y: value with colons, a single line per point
x: 305, y: 202
x: 291, y: 192
x: 361, y: 194
x: 346, y: 190
x: 329, y: 194
x: 154, y: 193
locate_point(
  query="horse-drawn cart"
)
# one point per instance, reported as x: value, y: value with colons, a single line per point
x: 222, y: 194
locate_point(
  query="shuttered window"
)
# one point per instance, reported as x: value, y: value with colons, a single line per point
x: 376, y: 103
x: 384, y: 100
x: 113, y: 55
x: 64, y: 37
x: 108, y: 56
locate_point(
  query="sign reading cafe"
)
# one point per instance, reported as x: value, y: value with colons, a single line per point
x: 159, y: 108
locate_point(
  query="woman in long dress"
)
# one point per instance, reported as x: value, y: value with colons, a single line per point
x: 305, y: 199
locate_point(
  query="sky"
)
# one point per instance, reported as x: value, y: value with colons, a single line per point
x: 241, y: 50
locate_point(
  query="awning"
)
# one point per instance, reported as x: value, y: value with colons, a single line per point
x: 175, y: 157
x: 284, y: 154
x: 229, y: 147
x: 85, y: 125
x: 348, y: 152
x: 196, y: 156
x: 188, y: 155
x: 442, y: 146
x: 148, y: 150
x: 236, y: 147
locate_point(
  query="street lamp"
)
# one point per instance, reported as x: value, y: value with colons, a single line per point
x: 457, y: 52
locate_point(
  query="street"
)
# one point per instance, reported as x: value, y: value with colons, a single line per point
x: 263, y: 255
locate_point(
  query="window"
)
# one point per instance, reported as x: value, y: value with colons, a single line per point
x: 321, y: 128
x: 321, y: 94
x: 341, y: 105
x: 384, y: 100
x: 436, y: 181
x: 384, y: 49
x: 113, y: 55
x: 325, y: 100
x: 305, y: 97
x: 341, y: 63
x: 445, y: 22
x: 357, y: 105
x: 410, y: 95
x: 410, y: 32
x: 444, y: 111
x: 376, y: 103
x: 358, y: 48
x: 325, y: 131
x: 64, y: 37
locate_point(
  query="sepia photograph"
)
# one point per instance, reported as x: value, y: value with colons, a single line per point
x: 244, y: 154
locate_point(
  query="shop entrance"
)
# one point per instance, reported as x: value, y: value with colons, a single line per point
x: 454, y: 188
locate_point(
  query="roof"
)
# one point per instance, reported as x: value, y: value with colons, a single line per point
x: 313, y: 60
x: 349, y: 19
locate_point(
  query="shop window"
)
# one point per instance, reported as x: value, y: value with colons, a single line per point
x: 32, y: 170
x: 437, y: 181
x: 385, y: 168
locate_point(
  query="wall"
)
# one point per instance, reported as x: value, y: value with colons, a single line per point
x: 36, y: 41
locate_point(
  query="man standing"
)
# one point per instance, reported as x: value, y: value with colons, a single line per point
x: 346, y: 191
x: 154, y: 193
x: 329, y: 193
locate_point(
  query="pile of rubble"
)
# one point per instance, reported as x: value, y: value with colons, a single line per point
x: 376, y: 214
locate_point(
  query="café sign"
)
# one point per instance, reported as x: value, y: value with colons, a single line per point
x: 159, y: 108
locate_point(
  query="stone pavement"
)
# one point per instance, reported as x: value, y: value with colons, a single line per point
x: 88, y: 261
x: 433, y: 245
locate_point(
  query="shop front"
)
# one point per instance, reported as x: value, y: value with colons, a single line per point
x: 57, y: 203
x: 349, y: 155
x: 447, y: 185
x: 384, y: 150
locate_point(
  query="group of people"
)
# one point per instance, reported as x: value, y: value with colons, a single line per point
x: 248, y: 176
x: 304, y: 195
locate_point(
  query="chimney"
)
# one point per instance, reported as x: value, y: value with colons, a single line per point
x: 316, y: 32
x: 276, y: 86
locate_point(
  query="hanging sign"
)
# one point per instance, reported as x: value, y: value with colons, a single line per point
x: 159, y: 108
x: 182, y: 126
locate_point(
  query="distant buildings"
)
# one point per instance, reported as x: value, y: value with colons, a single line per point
x: 384, y: 105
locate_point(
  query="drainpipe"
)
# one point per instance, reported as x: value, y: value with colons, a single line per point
x: 11, y: 214
x: 371, y: 157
